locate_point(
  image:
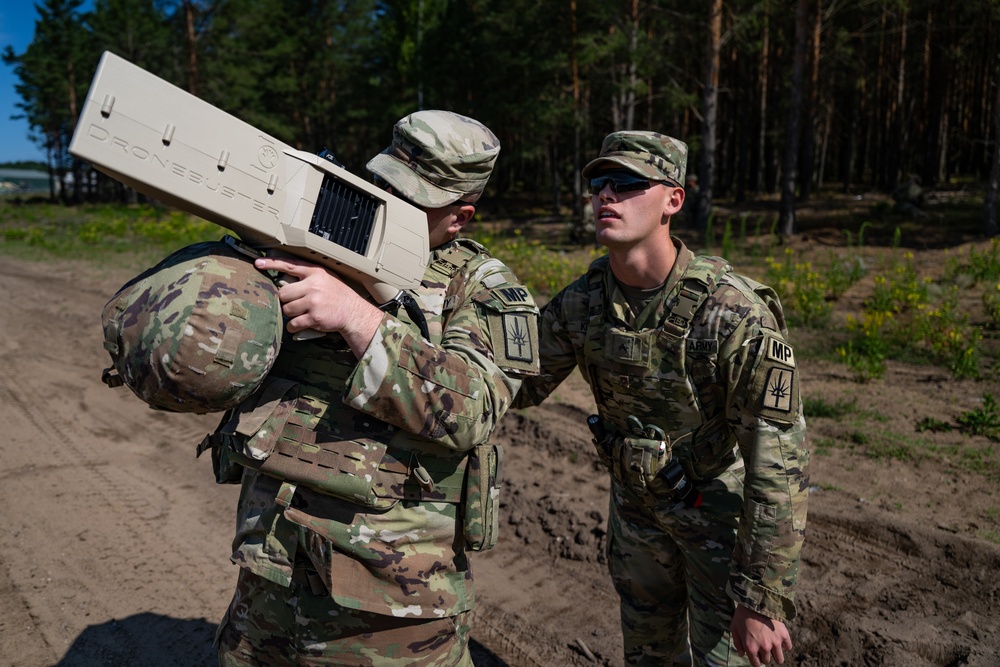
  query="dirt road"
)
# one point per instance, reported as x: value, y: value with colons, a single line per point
x: 115, y: 540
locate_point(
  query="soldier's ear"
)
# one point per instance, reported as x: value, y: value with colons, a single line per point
x: 463, y: 215
x: 674, y: 200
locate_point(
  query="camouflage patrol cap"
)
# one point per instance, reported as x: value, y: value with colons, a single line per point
x: 649, y: 154
x: 196, y: 333
x: 438, y: 158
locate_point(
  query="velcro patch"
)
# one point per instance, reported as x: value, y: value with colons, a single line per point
x: 518, y: 343
x: 775, y: 385
x: 627, y: 347
x: 779, y: 351
x: 513, y: 295
x: 703, y: 346
x: 515, y: 341
x: 778, y: 390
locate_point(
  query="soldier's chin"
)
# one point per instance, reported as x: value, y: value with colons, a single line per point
x: 605, y: 237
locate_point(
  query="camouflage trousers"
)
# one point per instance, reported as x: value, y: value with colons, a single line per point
x: 670, y: 565
x: 269, y: 624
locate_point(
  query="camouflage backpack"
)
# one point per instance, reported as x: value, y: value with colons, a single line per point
x: 197, y: 332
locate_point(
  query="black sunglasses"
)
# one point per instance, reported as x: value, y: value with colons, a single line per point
x: 620, y: 181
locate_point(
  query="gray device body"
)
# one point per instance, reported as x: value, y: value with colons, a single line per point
x: 181, y: 150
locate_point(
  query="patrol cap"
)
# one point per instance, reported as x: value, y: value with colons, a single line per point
x: 438, y: 158
x: 649, y: 154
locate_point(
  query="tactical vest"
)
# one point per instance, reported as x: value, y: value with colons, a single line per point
x: 298, y: 429
x: 660, y: 375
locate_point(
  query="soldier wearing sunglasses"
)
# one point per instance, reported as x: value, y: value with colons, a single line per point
x: 700, y: 425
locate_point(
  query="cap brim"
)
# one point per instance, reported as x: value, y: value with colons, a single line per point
x: 634, y: 166
x: 408, y: 184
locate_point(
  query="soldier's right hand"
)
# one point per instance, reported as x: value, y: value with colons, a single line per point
x: 320, y: 300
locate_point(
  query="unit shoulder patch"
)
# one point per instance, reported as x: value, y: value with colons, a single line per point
x: 512, y: 319
x: 519, y: 343
x: 775, y: 385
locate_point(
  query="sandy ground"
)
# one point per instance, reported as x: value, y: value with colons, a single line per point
x: 114, y: 540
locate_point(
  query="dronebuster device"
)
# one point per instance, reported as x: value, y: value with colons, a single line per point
x: 174, y: 147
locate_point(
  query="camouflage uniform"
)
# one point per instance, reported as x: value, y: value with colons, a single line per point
x: 198, y: 332
x: 706, y: 363
x: 354, y: 552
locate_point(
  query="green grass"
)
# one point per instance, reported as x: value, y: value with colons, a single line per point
x: 541, y: 269
x: 819, y: 407
x: 129, y: 236
x: 989, y: 535
x: 983, y: 420
x: 823, y: 446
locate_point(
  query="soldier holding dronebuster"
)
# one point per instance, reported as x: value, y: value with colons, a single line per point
x: 700, y: 424
x: 364, y: 457
x: 371, y: 568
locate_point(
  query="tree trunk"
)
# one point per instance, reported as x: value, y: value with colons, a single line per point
x: 575, y: 68
x: 758, y: 175
x: 633, y: 67
x: 189, y: 11
x: 812, y: 108
x: 73, y: 113
x: 556, y: 180
x: 898, y: 132
x: 789, y: 165
x: 710, y: 100
x: 990, y: 203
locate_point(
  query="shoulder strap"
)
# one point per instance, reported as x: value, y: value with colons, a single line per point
x: 595, y: 285
x: 457, y: 263
x: 768, y: 296
x: 699, y: 281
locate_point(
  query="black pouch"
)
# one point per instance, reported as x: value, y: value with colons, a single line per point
x: 226, y: 469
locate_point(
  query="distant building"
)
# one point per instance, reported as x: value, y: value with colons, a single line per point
x: 23, y: 181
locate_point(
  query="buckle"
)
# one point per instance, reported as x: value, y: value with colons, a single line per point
x: 111, y: 378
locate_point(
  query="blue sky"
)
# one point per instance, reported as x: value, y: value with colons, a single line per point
x: 17, y: 29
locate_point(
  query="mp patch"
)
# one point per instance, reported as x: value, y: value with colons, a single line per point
x: 775, y: 381
x: 779, y: 351
x: 513, y: 295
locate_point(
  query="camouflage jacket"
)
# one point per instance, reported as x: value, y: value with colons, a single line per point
x: 399, y: 424
x: 723, y: 383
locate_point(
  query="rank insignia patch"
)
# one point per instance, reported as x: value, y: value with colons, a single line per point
x: 627, y: 347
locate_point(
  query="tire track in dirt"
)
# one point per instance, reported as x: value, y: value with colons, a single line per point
x: 894, y: 593
x: 89, y: 451
x: 544, y: 589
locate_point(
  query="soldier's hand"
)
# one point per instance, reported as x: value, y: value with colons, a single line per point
x: 318, y: 299
x: 759, y: 638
